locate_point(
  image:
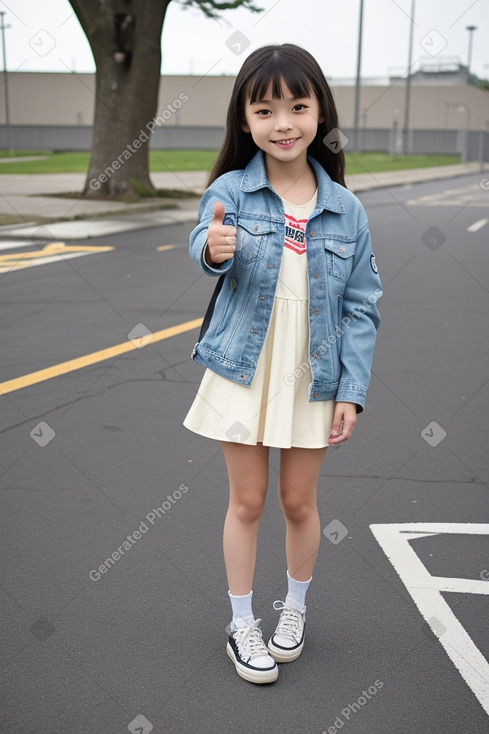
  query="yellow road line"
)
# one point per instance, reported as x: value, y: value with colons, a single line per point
x: 163, y: 248
x: 53, y: 252
x: 88, y: 359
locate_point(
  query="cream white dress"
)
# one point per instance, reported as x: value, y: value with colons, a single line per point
x: 275, y: 409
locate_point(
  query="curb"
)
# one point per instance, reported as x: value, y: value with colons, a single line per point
x: 87, y: 228
x: 413, y: 176
x: 90, y: 228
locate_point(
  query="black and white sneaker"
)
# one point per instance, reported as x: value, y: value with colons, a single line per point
x: 250, y: 656
x: 287, y: 641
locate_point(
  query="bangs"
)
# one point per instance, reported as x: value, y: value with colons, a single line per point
x: 277, y: 71
x: 268, y: 70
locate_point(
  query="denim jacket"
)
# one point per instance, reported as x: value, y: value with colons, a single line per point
x: 343, y: 283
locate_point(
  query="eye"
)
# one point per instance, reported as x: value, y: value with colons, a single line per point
x: 300, y: 107
x: 263, y: 113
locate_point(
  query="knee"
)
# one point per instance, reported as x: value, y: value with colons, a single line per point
x: 248, y: 507
x: 295, y: 507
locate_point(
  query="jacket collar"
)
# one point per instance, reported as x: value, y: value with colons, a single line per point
x: 329, y: 197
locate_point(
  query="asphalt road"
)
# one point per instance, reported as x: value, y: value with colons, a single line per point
x: 397, y: 635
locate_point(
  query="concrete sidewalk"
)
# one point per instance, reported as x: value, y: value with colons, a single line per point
x: 32, y: 201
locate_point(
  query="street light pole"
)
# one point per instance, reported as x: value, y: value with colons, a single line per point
x: 470, y: 29
x: 465, y: 148
x: 356, y: 114
x: 5, y: 82
x: 408, y: 83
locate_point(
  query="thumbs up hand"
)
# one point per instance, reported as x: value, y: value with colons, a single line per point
x: 221, y: 238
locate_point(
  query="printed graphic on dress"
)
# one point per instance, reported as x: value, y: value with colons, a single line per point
x: 295, y: 234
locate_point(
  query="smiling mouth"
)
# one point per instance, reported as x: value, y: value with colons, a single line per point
x: 285, y: 141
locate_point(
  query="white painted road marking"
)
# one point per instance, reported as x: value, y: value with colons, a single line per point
x: 464, y: 196
x: 21, y: 264
x: 477, y: 225
x: 426, y: 589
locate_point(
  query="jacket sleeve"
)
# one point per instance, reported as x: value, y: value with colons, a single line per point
x: 218, y: 191
x: 360, y: 321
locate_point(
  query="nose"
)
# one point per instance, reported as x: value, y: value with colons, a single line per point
x: 283, y: 123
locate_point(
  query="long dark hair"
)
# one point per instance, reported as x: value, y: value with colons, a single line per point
x: 278, y: 64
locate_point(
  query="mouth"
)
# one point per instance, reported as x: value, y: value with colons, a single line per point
x: 285, y: 142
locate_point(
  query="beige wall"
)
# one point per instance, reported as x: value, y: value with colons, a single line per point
x: 430, y: 107
x: 68, y: 99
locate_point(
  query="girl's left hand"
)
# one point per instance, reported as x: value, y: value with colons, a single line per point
x: 344, y: 421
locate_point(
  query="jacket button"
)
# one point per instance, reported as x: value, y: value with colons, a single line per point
x: 316, y: 355
x: 316, y: 311
x: 269, y: 266
x: 342, y: 249
x: 243, y: 377
x: 253, y: 331
x: 233, y: 284
x: 255, y: 228
x: 311, y: 233
x: 261, y: 298
x: 316, y: 275
x: 316, y: 394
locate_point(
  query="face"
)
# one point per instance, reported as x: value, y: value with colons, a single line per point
x: 283, y: 128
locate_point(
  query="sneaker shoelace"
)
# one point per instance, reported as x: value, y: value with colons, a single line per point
x: 291, y: 622
x: 249, y: 642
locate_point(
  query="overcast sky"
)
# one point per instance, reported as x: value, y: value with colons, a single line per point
x: 46, y: 36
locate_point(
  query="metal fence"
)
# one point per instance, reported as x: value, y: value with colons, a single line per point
x: 470, y: 146
x: 79, y: 137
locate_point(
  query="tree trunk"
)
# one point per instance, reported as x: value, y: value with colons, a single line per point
x: 125, y: 38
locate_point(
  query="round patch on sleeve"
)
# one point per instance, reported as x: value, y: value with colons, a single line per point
x: 373, y: 264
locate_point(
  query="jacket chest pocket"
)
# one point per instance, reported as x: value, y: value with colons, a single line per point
x: 251, y: 239
x: 339, y: 258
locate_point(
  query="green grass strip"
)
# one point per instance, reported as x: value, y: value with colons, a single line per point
x: 202, y: 160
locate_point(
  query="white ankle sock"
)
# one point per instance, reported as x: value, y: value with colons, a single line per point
x: 242, y: 611
x: 296, y: 597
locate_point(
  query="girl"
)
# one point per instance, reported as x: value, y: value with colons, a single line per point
x: 289, y: 335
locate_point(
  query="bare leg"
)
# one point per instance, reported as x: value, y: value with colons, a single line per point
x: 299, y: 472
x: 247, y: 468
